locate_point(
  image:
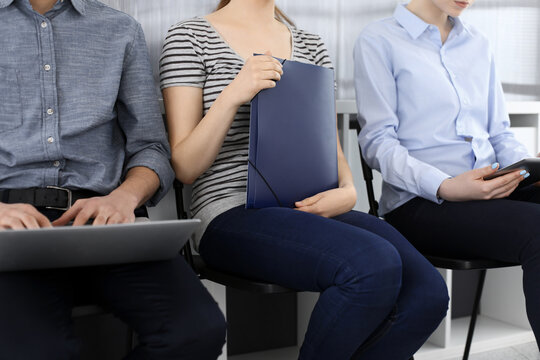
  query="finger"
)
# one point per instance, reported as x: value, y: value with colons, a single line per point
x: 271, y: 65
x: 100, y: 219
x: 270, y: 75
x: 508, y: 178
x: 308, y: 209
x: 42, y: 220
x: 118, y: 218
x: 12, y: 223
x: 505, y: 191
x: 268, y: 52
x: 267, y: 84
x: 267, y: 63
x: 29, y: 221
x: 69, y: 215
x: 508, y: 188
x: 83, y: 216
x: 506, y: 194
x: 309, y: 201
x: 487, y: 170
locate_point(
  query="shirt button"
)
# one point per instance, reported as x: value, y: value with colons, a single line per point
x: 50, y: 111
x: 50, y: 139
x: 47, y: 67
x: 56, y: 163
x: 43, y: 24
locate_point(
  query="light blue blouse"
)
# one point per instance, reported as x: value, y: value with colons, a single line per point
x: 428, y: 111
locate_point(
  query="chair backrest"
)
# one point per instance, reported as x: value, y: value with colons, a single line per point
x: 182, y: 214
x: 368, y: 174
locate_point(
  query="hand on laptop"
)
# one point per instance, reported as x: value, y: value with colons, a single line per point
x: 115, y: 208
x: 21, y: 216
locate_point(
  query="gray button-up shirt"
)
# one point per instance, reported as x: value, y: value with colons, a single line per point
x: 78, y: 105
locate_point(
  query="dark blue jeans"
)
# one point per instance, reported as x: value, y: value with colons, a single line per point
x: 371, y: 280
x: 503, y: 229
x: 163, y: 302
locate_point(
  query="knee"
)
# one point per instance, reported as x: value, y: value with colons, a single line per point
x: 432, y: 296
x: 376, y: 272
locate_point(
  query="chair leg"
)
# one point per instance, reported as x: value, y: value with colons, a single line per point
x: 474, y: 314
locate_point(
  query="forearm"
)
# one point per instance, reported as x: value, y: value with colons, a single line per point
x: 139, y: 186
x: 345, y: 178
x: 195, y: 153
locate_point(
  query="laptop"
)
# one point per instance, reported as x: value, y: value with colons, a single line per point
x: 89, y: 245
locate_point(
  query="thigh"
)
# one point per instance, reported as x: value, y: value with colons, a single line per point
x: 413, y: 262
x: 384, y: 230
x: 35, y: 313
x: 499, y: 229
x: 160, y: 298
x: 292, y: 248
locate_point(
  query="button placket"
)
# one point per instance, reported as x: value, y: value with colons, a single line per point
x: 50, y: 119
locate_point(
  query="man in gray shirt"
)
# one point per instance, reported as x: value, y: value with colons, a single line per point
x: 79, y: 120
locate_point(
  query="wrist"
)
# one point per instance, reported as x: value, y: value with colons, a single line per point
x: 126, y: 198
x: 229, y: 98
x: 441, y: 191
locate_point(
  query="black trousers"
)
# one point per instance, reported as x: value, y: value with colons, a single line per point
x: 503, y: 229
x: 163, y: 302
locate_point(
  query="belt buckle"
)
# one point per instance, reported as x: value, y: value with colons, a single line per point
x: 69, y: 195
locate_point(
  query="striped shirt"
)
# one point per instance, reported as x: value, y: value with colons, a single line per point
x: 195, y: 54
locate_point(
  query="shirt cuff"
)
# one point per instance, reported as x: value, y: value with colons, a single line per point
x: 430, y: 183
x: 157, y: 162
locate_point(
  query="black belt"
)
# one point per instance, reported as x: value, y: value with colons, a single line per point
x: 51, y: 197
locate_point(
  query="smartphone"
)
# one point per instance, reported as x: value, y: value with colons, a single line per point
x: 531, y: 165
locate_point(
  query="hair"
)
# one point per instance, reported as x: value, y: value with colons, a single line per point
x: 280, y: 15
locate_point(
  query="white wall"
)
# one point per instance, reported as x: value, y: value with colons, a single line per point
x: 513, y: 27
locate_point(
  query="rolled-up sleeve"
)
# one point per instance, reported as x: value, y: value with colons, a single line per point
x: 140, y: 118
x: 377, y: 108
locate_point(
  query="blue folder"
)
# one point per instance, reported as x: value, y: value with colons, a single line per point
x: 292, y: 139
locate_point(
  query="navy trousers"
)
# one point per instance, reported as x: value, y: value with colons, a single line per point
x: 502, y: 229
x: 372, y: 282
x: 163, y: 302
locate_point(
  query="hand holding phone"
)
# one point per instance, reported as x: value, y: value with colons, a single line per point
x: 531, y: 165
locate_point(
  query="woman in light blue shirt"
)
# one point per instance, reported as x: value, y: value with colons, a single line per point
x: 434, y: 123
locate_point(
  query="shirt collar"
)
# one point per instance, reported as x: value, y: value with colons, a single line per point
x: 416, y: 26
x: 410, y: 22
x: 460, y: 26
x: 79, y: 5
x: 5, y: 3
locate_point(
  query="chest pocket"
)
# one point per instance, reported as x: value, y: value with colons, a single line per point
x: 10, y: 100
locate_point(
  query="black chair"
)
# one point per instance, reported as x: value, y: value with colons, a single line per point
x: 437, y: 261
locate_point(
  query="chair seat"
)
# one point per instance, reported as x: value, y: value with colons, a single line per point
x: 466, y: 264
x: 237, y: 282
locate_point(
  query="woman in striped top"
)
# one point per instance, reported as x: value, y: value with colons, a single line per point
x: 373, y: 283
